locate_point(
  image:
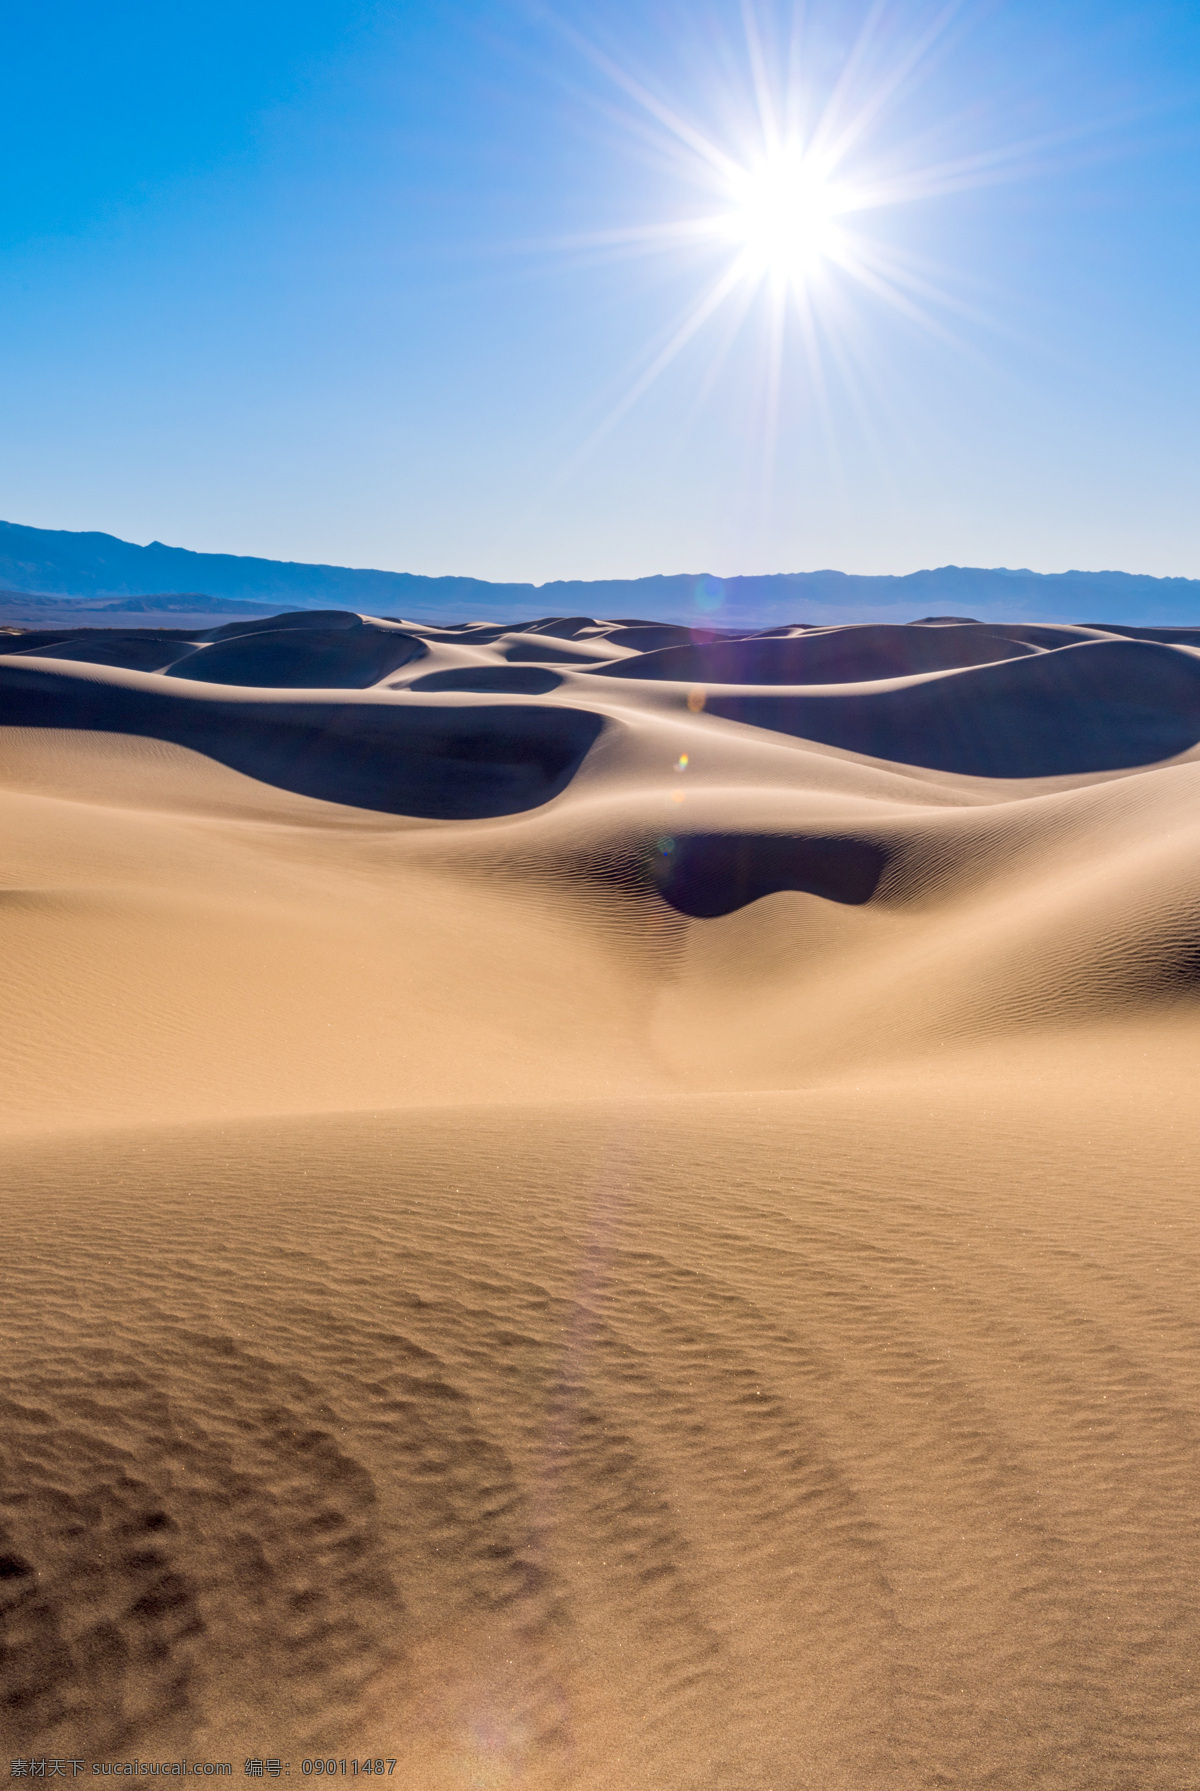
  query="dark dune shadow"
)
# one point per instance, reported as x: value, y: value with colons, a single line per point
x: 566, y: 628
x: 648, y: 637
x: 839, y: 656
x: 1174, y: 637
x: 705, y: 875
x: 286, y: 620
x: 437, y: 763
x: 529, y: 650
x: 303, y: 658
x: 133, y: 652
x: 472, y: 634
x: 1097, y: 706
x: 1049, y: 634
x: 508, y: 680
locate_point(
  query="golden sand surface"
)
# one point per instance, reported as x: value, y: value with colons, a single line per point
x: 494, y: 1292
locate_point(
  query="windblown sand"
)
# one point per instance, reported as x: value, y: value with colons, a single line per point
x: 587, y: 1208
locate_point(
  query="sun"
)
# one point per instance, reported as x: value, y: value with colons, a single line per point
x: 783, y: 216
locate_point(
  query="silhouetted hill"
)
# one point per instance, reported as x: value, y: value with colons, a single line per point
x: 100, y: 569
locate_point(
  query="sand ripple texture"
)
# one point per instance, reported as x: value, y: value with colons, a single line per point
x: 592, y: 1206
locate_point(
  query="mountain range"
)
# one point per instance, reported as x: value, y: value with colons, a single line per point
x: 103, y: 571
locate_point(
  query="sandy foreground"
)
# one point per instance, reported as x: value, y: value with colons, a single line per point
x: 586, y: 1209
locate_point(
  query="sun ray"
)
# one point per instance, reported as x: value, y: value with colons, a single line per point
x: 848, y: 75
x: 776, y: 329
x: 697, y: 316
x: 736, y: 310
x: 694, y: 319
x: 666, y: 115
x: 878, y: 95
x: 764, y: 98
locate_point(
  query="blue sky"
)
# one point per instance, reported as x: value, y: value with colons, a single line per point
x: 420, y: 286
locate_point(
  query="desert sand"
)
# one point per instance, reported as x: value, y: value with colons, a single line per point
x: 586, y: 1205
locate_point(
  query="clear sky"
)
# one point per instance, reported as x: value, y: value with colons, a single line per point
x: 525, y: 292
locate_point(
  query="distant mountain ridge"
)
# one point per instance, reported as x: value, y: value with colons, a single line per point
x: 98, y: 568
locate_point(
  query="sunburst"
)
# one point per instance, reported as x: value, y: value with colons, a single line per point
x: 786, y: 201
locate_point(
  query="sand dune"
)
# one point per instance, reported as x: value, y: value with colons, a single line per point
x: 592, y: 1206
